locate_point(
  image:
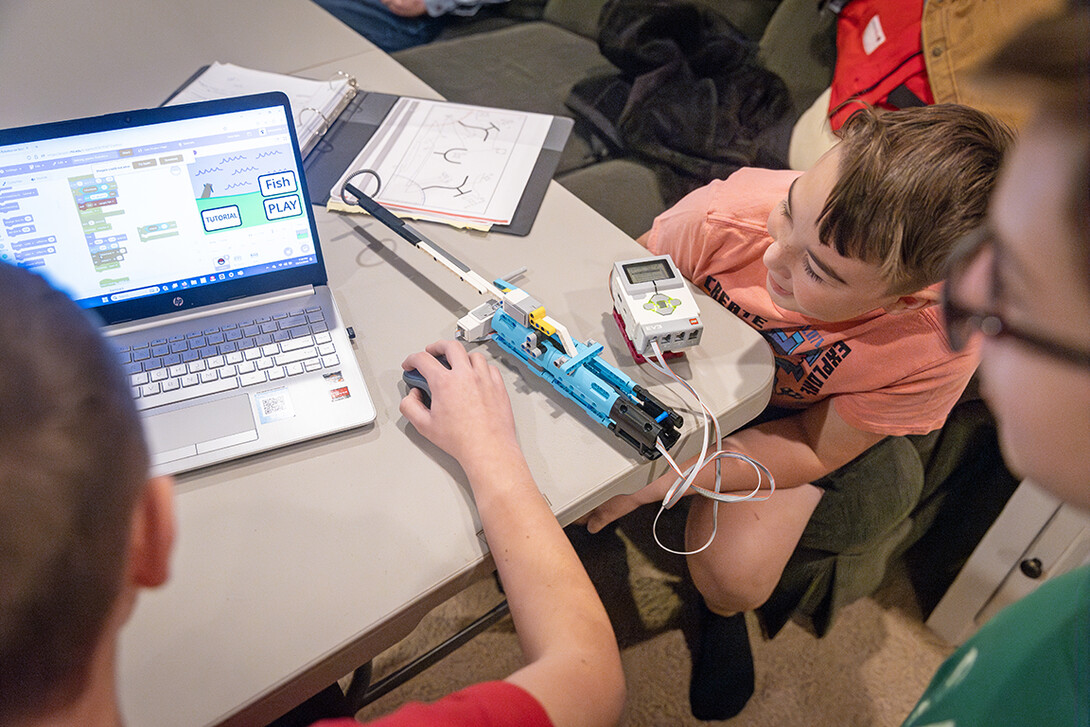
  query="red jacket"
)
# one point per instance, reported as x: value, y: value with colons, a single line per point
x: 878, y: 53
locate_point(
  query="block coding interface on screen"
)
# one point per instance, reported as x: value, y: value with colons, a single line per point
x: 122, y: 214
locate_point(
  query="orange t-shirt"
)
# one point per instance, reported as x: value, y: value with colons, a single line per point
x: 887, y: 373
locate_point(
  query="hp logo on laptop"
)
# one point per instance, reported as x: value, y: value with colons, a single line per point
x: 178, y: 302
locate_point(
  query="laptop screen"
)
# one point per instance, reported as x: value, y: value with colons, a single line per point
x: 158, y: 210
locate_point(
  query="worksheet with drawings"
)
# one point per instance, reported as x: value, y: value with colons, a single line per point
x: 462, y: 165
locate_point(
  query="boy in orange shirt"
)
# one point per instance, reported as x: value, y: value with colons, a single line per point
x: 838, y: 268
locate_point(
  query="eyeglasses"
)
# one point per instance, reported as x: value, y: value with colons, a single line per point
x: 962, y: 322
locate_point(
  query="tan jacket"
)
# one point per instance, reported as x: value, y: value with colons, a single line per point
x: 959, y: 34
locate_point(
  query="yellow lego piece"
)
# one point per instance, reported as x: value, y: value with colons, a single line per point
x: 536, y: 321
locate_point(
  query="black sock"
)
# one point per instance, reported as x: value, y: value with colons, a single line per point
x: 722, y: 679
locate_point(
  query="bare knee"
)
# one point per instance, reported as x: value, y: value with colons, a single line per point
x: 741, y: 568
x: 730, y: 586
x: 743, y: 564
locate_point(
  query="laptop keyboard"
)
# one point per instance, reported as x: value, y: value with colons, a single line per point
x: 208, y: 361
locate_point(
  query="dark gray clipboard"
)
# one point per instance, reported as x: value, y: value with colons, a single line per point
x: 355, y: 126
x: 339, y: 146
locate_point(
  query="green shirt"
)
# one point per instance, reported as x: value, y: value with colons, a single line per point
x: 1029, y: 665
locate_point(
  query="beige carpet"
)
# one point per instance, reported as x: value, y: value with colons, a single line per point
x: 869, y: 670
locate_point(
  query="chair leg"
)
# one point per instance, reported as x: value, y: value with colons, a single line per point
x: 357, y: 688
x: 361, y: 697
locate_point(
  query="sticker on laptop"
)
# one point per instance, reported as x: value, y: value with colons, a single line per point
x: 273, y: 405
x: 334, y: 377
x: 340, y: 393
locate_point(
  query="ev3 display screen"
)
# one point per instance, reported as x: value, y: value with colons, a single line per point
x: 647, y: 272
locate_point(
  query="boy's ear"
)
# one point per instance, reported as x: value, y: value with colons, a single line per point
x: 914, y: 301
x: 152, y: 534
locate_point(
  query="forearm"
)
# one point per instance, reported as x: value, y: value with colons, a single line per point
x: 565, y: 634
x: 797, y: 449
x: 574, y: 667
x: 776, y: 445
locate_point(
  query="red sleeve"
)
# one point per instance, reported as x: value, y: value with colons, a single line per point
x: 490, y: 704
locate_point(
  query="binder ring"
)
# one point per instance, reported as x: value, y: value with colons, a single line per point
x: 361, y: 187
x: 341, y: 74
x: 325, y: 122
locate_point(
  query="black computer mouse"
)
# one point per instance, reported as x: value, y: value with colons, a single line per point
x: 415, y: 380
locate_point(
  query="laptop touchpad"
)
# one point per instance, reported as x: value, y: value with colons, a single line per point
x: 200, y: 428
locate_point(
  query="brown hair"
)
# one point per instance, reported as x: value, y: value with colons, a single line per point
x: 72, y: 462
x: 1050, y: 61
x: 912, y: 183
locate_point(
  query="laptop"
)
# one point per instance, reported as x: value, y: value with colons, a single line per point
x: 187, y: 231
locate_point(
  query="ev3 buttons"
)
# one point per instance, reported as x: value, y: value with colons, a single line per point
x: 664, y: 305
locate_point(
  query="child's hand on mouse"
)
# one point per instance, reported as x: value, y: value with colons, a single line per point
x: 470, y: 415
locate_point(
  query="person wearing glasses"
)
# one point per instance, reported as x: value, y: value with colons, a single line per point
x: 839, y: 269
x: 1021, y: 282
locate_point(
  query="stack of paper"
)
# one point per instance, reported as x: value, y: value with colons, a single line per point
x: 314, y: 104
x: 465, y: 166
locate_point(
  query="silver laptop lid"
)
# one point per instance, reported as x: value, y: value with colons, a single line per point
x: 149, y: 212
